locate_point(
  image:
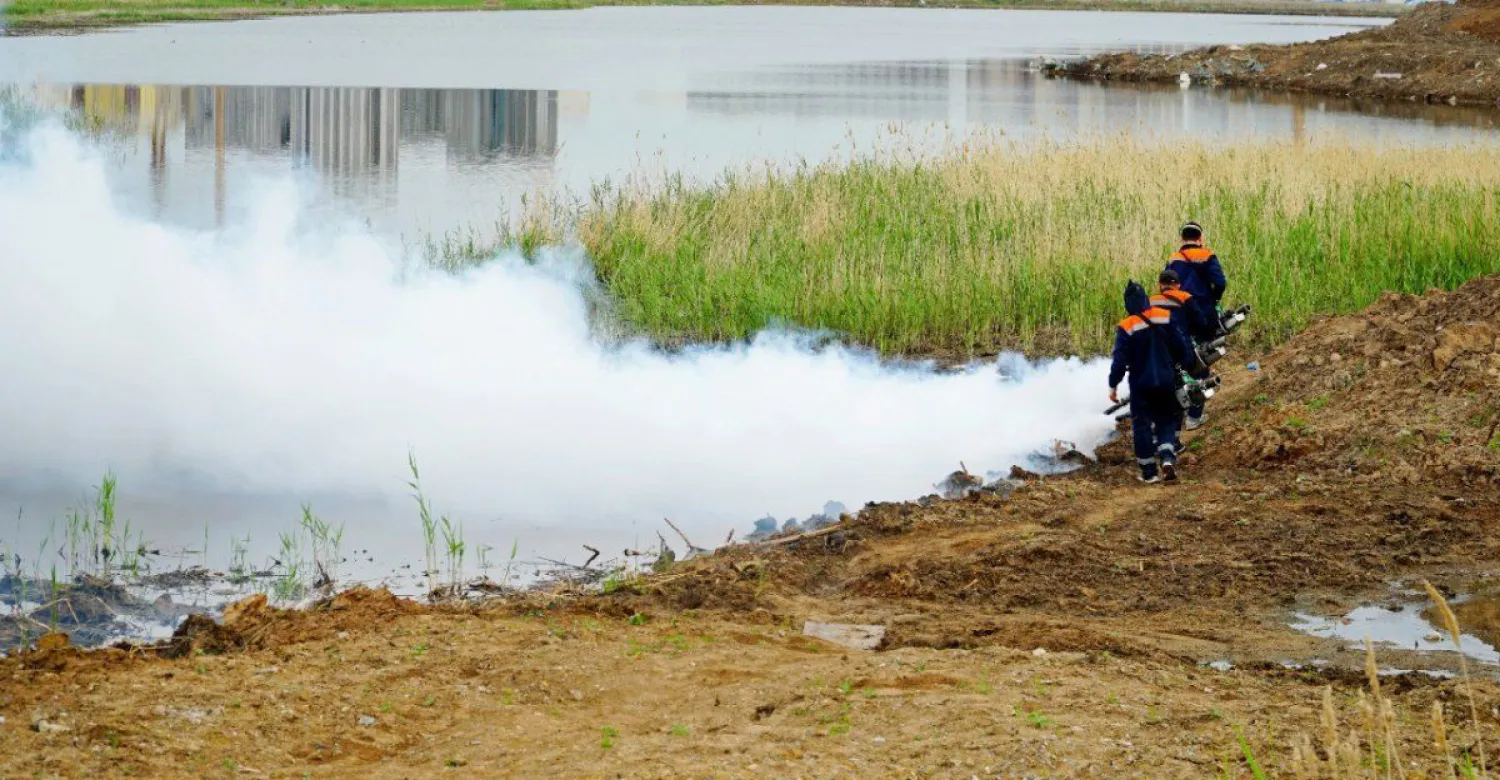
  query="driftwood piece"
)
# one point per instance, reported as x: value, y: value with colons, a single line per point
x: 797, y: 537
x: 692, y: 548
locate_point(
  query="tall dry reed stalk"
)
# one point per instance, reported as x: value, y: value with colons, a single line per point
x: 1368, y: 749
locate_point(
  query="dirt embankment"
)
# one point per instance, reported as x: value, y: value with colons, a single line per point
x: 1439, y: 53
x: 1059, y: 631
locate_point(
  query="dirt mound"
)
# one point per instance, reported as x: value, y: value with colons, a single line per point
x: 1408, y: 391
x: 253, y: 623
x: 1439, y: 53
x: 1364, y: 447
x: 1481, y: 20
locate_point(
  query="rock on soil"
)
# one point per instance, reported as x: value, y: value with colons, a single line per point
x: 1439, y: 53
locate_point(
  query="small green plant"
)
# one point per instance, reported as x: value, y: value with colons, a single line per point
x: 1318, y: 403
x: 638, y: 619
x: 1038, y: 720
x: 289, y: 585
x: 607, y: 737
x: 429, y: 526
x: 325, y: 541
x: 1296, y: 423
x: 679, y: 730
x: 1249, y: 755
x: 515, y: 546
x: 104, y: 503
x: 419, y: 650
x: 453, y: 545
x: 239, y: 568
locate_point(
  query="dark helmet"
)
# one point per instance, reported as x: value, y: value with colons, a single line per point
x: 1192, y: 231
x: 1168, y: 277
x: 1136, y: 300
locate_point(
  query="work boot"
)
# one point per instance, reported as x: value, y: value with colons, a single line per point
x: 1194, y: 423
x: 1169, y: 471
x: 1148, y: 474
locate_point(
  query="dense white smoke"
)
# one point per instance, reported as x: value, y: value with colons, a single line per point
x: 281, y: 356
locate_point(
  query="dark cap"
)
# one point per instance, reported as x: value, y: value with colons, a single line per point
x: 1192, y: 231
x: 1136, y: 300
x: 1168, y: 276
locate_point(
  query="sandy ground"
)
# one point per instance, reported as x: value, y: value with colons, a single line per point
x: 1440, y: 53
x: 1065, y: 630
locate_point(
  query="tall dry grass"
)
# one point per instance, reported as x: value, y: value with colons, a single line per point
x: 991, y: 244
x: 1368, y: 748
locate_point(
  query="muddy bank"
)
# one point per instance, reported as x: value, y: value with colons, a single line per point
x: 1078, y: 625
x: 1439, y: 53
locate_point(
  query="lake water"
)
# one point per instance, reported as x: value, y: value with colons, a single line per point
x: 437, y: 122
x: 428, y: 123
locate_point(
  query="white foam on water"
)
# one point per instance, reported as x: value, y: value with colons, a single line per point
x: 282, y: 355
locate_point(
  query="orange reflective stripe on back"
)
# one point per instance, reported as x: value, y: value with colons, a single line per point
x: 1178, y: 296
x: 1163, y: 302
x: 1132, y: 324
x: 1193, y: 254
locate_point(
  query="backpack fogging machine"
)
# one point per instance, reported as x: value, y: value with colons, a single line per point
x: 1230, y: 321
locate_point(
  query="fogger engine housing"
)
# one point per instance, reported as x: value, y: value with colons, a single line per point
x: 1196, y: 392
x: 1210, y: 352
x: 1230, y: 321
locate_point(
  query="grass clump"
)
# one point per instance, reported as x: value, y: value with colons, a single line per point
x: 994, y: 245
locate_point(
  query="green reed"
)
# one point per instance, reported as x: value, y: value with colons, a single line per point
x: 994, y: 246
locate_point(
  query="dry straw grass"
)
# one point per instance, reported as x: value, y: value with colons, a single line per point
x: 1368, y: 747
x: 991, y: 244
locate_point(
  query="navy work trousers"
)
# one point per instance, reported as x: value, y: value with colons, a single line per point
x: 1155, y: 417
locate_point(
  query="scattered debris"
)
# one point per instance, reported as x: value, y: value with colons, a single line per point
x: 854, y: 637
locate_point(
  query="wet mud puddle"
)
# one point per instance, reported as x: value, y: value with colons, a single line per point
x: 1412, y: 632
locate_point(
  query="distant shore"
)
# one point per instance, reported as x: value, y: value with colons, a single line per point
x: 1439, y: 53
x: 60, y: 16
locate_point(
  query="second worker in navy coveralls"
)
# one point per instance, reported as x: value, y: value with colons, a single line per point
x: 1150, y: 348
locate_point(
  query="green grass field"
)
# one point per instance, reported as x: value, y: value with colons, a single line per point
x: 992, y: 246
x: 42, y: 15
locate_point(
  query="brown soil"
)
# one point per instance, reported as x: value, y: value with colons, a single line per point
x: 1059, y: 632
x: 1439, y: 53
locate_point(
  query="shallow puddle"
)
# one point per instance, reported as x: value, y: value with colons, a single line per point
x: 1407, y: 627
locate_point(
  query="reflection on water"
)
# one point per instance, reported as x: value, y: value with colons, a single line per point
x: 414, y: 161
x: 353, y: 138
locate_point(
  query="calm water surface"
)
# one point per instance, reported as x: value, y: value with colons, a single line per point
x: 429, y: 123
